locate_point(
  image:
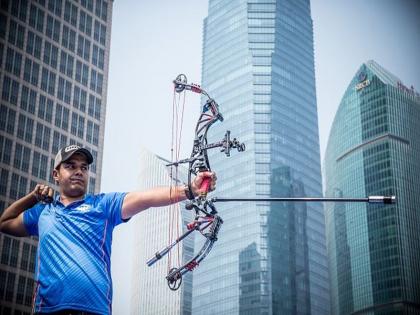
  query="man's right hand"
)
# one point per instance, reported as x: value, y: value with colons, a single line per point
x: 43, y: 193
x: 11, y: 220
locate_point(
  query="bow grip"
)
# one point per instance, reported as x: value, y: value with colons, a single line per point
x: 205, y: 185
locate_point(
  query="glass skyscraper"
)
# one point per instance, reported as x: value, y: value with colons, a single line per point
x: 258, y: 64
x: 54, y: 58
x: 153, y: 230
x: 374, y: 149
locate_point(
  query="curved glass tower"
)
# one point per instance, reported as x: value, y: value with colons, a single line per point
x: 258, y: 64
x: 374, y: 149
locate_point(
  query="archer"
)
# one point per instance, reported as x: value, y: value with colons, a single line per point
x: 73, y: 273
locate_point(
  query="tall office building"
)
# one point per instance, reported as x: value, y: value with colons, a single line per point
x: 374, y: 149
x: 54, y: 66
x: 258, y: 64
x: 153, y: 231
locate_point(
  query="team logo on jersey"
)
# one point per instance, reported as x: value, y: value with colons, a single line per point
x: 83, y: 208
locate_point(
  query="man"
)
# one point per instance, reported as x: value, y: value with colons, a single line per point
x: 75, y: 233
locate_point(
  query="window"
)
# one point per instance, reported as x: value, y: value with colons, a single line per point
x: 15, y: 243
x: 10, y: 90
x: 17, y: 190
x: 42, y: 136
x: 3, y: 25
x: 22, y: 156
x: 96, y: 81
x: 101, y: 9
x: 45, y: 108
x: 50, y: 54
x: 33, y: 45
x: 28, y: 99
x: 29, y: 288
x: 66, y: 64
x: 82, y: 73
x: 10, y: 287
x: 7, y: 244
x: 62, y: 117
x: 92, y: 133
x: 25, y: 255
x: 95, y: 139
x: 98, y: 55
x: 31, y: 72
x: 25, y: 128
x: 53, y: 28
x: 16, y: 34
x: 79, y: 100
x: 99, y: 33
x: 55, y: 6
x: 87, y: 4
x: 13, y: 62
x: 59, y: 141
x: 5, y: 150
x: 70, y: 13
x: 36, y: 18
x: 20, y: 290
x: 92, y: 182
x: 69, y: 38
x: 85, y: 23
x: 94, y: 109
x: 64, y: 90
x: 48, y: 81
x: 77, y: 125
x: 4, y: 175
x: 32, y: 259
x: 83, y: 48
x: 7, y: 119
x: 39, y: 165
x: 19, y: 8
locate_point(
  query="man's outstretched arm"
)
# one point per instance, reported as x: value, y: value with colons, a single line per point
x: 135, y: 202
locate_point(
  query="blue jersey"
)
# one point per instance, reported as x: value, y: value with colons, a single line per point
x: 73, y: 260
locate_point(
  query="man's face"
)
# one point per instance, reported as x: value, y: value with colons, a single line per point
x: 72, y: 176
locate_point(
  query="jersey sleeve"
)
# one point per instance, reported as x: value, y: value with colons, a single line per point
x: 31, y: 218
x: 113, y: 204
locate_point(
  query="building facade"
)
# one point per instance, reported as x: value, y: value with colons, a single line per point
x: 54, y: 57
x: 258, y: 64
x: 153, y: 231
x: 374, y: 149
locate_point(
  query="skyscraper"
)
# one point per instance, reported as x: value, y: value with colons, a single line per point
x: 258, y: 64
x: 154, y: 230
x: 54, y: 58
x: 374, y: 149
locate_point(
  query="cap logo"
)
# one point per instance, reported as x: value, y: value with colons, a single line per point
x: 71, y: 148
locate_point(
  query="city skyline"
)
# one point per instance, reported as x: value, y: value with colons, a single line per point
x: 365, y: 26
x: 174, y: 47
x: 152, y: 42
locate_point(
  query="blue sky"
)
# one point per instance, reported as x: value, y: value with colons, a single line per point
x: 153, y: 41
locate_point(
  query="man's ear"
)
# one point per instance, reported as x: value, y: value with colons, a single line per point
x: 55, y: 175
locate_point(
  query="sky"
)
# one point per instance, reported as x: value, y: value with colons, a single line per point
x: 154, y: 41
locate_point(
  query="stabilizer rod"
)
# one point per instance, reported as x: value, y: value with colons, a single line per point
x: 370, y: 199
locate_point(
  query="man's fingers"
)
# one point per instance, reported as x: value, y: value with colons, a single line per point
x: 43, y: 193
x: 44, y: 190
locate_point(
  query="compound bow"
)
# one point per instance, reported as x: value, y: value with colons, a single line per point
x: 206, y: 220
